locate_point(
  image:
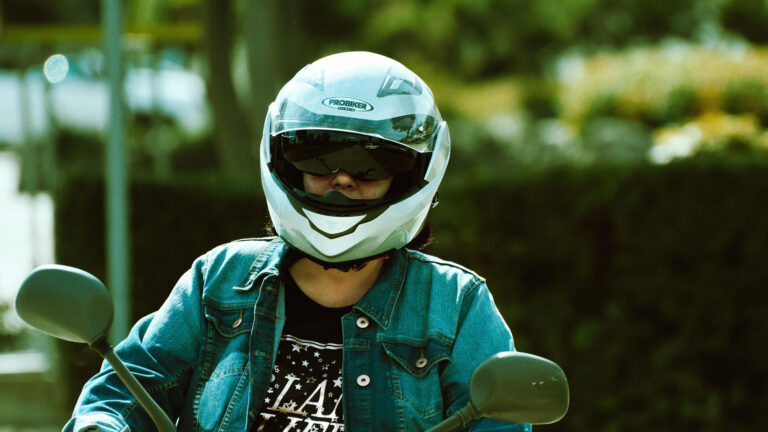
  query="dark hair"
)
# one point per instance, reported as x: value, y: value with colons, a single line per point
x: 424, y: 238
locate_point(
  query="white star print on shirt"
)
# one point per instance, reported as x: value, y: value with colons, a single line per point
x: 309, y: 399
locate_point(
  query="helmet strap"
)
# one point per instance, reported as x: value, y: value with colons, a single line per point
x: 360, y: 267
x: 344, y: 266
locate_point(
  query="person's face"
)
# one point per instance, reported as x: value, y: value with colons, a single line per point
x: 346, y: 184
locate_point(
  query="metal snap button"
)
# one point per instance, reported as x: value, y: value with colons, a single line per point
x: 239, y: 320
x: 363, y: 380
x: 421, y: 362
x: 362, y: 322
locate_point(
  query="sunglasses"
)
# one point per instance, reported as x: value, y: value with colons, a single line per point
x: 324, y: 152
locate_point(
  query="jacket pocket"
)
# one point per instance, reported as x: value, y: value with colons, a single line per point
x: 225, y: 364
x: 415, y: 367
x: 228, y: 339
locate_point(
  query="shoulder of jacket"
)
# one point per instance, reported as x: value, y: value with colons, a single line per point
x: 438, y: 265
x: 237, y: 265
x: 240, y: 250
x: 242, y: 246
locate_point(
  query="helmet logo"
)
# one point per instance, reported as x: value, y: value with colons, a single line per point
x: 347, y: 104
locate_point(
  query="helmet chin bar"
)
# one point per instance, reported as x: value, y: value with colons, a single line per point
x: 337, y: 200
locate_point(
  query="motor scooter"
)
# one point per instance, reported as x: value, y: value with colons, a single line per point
x: 71, y: 304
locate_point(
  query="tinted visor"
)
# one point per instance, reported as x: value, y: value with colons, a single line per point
x: 323, y: 152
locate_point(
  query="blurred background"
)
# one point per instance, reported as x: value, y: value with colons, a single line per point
x: 608, y: 176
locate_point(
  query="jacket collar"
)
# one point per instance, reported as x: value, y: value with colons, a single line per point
x: 378, y: 303
x: 266, y: 263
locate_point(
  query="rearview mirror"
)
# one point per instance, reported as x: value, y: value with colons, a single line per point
x: 65, y: 302
x: 514, y: 387
x: 521, y: 388
x: 72, y: 304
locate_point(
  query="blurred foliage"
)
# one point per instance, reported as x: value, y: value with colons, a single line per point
x: 748, y: 18
x: 688, y: 98
x: 70, y: 12
x: 491, y: 64
x: 476, y: 38
x: 481, y: 38
x: 48, y: 12
x: 642, y: 282
x: 657, y: 86
x: 711, y: 133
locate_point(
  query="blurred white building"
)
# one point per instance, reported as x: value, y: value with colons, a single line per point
x: 29, y: 103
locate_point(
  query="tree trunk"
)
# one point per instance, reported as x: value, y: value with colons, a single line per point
x: 274, y: 42
x: 233, y: 135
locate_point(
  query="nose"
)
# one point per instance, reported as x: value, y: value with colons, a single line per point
x: 343, y: 181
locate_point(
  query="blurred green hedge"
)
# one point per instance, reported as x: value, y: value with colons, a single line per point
x: 642, y: 282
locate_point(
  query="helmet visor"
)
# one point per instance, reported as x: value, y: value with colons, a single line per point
x: 324, y: 152
x: 413, y: 130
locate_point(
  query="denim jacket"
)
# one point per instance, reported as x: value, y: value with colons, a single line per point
x: 210, y: 372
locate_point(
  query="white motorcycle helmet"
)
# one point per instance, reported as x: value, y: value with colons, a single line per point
x: 371, y: 117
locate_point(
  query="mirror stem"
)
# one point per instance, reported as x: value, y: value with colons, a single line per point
x: 101, y: 345
x: 158, y: 416
x: 459, y: 418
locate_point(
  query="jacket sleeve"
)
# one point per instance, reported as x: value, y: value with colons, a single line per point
x: 481, y: 333
x: 161, y: 351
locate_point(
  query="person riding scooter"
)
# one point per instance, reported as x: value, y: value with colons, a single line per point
x: 338, y: 321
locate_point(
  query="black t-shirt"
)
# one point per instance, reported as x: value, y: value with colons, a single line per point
x: 305, y: 391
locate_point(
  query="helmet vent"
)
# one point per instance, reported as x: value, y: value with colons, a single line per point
x: 313, y: 76
x: 397, y: 84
